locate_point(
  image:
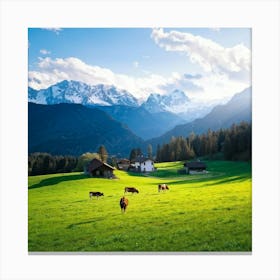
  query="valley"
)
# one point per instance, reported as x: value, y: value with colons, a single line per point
x: 73, y: 118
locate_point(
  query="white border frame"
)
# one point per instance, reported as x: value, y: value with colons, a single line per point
x: 17, y: 16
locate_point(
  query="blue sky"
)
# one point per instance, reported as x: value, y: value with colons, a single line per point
x: 144, y: 60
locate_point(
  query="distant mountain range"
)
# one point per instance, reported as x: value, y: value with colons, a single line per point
x: 81, y: 93
x: 175, y: 102
x: 115, y: 118
x: 143, y: 123
x: 73, y: 129
x: 238, y: 109
x: 105, y: 95
x: 155, y: 116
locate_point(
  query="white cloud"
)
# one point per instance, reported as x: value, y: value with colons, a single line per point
x: 212, y: 57
x: 225, y: 71
x: 52, y: 71
x: 200, y: 88
x: 44, y: 52
x: 217, y: 88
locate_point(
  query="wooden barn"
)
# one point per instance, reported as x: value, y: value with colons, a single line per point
x: 97, y: 168
x: 194, y: 167
x: 123, y: 164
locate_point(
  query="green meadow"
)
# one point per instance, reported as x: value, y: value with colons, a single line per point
x: 200, y: 213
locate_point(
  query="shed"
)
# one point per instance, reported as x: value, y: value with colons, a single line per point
x: 97, y: 168
x: 123, y: 164
x: 193, y: 167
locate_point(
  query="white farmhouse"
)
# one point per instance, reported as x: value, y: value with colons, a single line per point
x: 143, y: 164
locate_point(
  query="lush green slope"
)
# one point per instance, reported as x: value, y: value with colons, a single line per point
x: 199, y: 213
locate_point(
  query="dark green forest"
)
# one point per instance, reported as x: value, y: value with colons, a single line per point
x: 234, y: 143
x: 44, y: 163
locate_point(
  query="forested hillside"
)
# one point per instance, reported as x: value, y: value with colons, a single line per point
x: 234, y: 143
x: 73, y: 129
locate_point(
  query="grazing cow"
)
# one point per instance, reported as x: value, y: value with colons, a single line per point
x: 123, y: 204
x: 130, y: 189
x: 162, y: 187
x: 96, y: 194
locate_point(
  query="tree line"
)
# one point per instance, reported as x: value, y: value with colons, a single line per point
x: 233, y: 143
x: 44, y: 163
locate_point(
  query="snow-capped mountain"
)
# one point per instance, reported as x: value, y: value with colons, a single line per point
x: 81, y: 93
x: 175, y: 102
x: 236, y: 110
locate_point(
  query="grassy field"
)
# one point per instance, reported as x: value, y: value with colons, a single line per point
x: 199, y: 213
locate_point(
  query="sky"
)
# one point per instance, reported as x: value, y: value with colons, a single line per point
x: 208, y: 64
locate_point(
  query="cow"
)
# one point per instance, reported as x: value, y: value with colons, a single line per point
x: 162, y: 187
x: 130, y: 189
x: 96, y: 194
x: 123, y: 204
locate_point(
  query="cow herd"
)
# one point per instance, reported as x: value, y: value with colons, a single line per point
x: 124, y: 200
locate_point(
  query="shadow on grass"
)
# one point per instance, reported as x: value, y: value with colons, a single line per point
x: 218, y: 181
x: 225, y: 180
x: 56, y: 180
x: 83, y: 200
x: 233, y: 179
x: 182, y: 179
x: 71, y: 226
x: 81, y: 223
x: 135, y: 174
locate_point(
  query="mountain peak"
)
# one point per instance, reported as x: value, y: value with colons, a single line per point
x: 69, y: 91
x: 236, y: 110
x: 178, y: 93
x: 175, y: 102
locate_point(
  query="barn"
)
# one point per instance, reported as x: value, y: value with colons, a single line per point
x: 97, y: 168
x: 123, y: 164
x: 194, y: 167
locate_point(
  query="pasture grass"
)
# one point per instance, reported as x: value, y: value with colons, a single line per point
x: 200, y: 213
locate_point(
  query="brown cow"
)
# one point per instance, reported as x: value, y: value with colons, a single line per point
x: 162, y: 187
x: 123, y: 204
x: 130, y: 189
x: 97, y: 194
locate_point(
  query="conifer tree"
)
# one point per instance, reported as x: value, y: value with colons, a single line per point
x: 150, y: 151
x: 103, y: 153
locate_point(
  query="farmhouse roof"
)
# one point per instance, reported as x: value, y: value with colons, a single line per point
x: 195, y: 164
x: 123, y: 161
x: 96, y: 163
